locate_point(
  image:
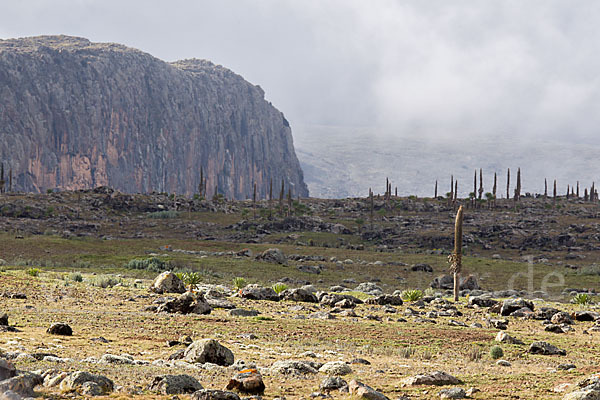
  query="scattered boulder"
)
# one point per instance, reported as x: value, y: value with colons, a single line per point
x: 385, y: 299
x: 114, y: 359
x: 331, y: 299
x: 511, y: 305
x: 422, y: 268
x: 545, y: 348
x: 369, y: 288
x: 560, y: 318
x: 167, y: 282
x: 21, y: 384
x: 247, y: 381
x: 434, y: 378
x: 187, y: 303
x: 175, y: 384
x: 208, y: 351
x: 587, y: 389
x: 333, y: 383
x: 4, y: 319
x: 336, y: 368
x: 241, y: 312
x: 7, y: 370
x: 310, y: 269
x: 76, y: 380
x: 362, y: 391
x: 498, y: 324
x: 257, y: 292
x: 482, y: 301
x: 453, y: 393
x: 298, y: 295
x: 59, y: 328
x: 554, y: 328
x: 272, y: 255
x: 503, y: 337
x: 586, y: 315
x: 206, y: 394
x: 503, y: 363
x: 293, y: 368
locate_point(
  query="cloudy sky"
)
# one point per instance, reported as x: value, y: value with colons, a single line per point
x: 429, y: 68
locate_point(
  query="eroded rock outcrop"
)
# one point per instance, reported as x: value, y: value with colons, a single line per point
x: 77, y: 114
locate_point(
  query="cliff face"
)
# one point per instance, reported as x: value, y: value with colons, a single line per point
x: 76, y: 114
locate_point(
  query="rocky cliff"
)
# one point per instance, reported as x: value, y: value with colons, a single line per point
x: 76, y: 114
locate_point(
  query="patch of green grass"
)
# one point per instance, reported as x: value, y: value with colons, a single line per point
x: 34, y: 272
x: 496, y: 352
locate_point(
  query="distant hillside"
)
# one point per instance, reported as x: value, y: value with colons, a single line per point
x: 345, y: 162
x: 76, y: 114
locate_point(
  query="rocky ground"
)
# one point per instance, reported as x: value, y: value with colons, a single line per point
x: 317, y: 304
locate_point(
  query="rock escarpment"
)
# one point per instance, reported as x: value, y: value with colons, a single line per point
x: 76, y: 114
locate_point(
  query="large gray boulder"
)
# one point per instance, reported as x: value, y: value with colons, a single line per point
x: 21, y: 384
x: 298, y: 295
x: 206, y: 394
x: 272, y: 255
x: 208, y: 351
x: 433, y: 378
x: 76, y: 380
x: 175, y: 384
x: 167, y: 282
x: 362, y: 391
x: 7, y: 370
x: 509, y: 306
x: 545, y: 348
x: 257, y: 292
x: 187, y: 303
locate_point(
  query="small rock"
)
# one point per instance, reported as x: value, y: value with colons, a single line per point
x: 503, y: 363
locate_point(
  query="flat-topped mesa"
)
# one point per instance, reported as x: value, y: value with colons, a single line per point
x: 77, y: 114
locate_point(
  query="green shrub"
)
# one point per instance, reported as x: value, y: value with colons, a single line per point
x: 167, y: 214
x: 496, y: 352
x: 582, y: 299
x: 429, y: 292
x: 153, y: 264
x: 411, y: 295
x: 191, y: 278
x: 76, y: 277
x: 239, y: 283
x: 33, y: 272
x: 279, y: 287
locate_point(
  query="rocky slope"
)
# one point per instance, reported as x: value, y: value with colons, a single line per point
x: 76, y: 114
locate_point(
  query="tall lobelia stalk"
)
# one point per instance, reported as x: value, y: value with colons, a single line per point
x: 455, y: 259
x: 480, y: 183
x: 508, y: 184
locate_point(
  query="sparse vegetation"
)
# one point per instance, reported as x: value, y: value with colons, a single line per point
x: 412, y: 295
x: 35, y: 272
x: 153, y: 264
x: 166, y: 214
x: 496, y: 352
x: 239, y: 283
x: 582, y: 299
x: 279, y: 287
